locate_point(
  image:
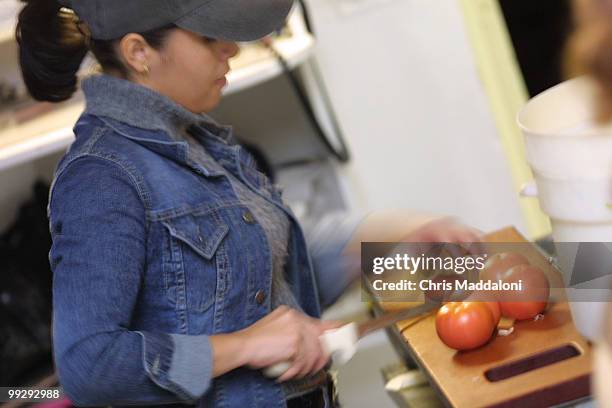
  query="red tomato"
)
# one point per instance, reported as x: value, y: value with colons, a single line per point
x: 464, y: 325
x: 531, y: 299
x: 498, y: 264
x: 495, y: 311
x: 493, y: 305
x: 495, y: 268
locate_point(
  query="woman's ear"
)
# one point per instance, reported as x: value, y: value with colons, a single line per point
x: 136, y: 53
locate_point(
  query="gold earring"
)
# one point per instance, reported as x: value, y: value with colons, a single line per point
x: 145, y: 70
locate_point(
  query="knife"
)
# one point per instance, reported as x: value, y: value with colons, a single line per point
x: 341, y: 343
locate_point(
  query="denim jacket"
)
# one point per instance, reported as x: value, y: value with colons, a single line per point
x: 152, y: 253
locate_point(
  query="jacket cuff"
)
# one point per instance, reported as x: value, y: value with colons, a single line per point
x: 192, y: 364
x: 181, y: 364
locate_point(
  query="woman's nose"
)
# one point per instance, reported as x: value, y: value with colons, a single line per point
x: 228, y: 49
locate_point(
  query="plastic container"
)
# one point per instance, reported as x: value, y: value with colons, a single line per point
x: 571, y: 159
x: 580, y: 210
x: 562, y: 140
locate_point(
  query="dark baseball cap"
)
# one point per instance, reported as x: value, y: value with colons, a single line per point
x: 233, y: 20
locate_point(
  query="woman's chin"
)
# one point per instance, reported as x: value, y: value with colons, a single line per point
x: 211, y: 102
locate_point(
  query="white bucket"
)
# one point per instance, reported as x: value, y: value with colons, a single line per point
x: 571, y: 158
x: 580, y: 210
x: 561, y: 138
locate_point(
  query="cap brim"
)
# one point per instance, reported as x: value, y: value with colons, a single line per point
x: 238, y: 20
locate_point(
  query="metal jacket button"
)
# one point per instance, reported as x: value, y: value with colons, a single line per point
x: 248, y: 217
x: 260, y: 297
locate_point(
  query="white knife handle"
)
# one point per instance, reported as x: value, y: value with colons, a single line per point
x: 277, y: 369
x: 340, y: 344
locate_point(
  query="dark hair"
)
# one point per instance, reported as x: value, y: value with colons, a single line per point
x: 52, y: 48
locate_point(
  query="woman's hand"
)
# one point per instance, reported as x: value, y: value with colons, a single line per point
x: 444, y: 230
x: 407, y: 226
x: 287, y: 335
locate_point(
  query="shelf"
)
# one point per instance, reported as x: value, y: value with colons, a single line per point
x: 52, y: 132
x: 256, y: 64
x: 7, y: 31
x: 8, y: 11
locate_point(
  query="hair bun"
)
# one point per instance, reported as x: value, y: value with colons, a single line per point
x: 51, y: 50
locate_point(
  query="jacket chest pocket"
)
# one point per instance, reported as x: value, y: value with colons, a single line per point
x: 195, y: 261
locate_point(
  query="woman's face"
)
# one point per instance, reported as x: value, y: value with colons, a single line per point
x: 189, y: 69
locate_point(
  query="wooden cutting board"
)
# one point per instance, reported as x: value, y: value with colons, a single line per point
x: 539, y: 364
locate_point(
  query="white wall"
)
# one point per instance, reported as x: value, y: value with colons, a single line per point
x: 403, y: 80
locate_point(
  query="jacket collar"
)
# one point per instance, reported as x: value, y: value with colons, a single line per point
x: 128, y: 104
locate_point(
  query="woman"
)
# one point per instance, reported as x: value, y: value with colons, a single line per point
x: 178, y: 271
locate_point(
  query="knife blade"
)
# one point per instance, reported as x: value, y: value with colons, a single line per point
x: 388, y: 319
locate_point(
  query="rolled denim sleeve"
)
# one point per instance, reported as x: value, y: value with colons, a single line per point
x: 334, y: 269
x: 98, y: 258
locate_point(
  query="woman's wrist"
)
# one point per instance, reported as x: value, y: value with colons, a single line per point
x: 229, y: 352
x: 243, y: 345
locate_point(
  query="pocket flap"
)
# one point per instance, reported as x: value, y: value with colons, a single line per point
x: 203, y: 233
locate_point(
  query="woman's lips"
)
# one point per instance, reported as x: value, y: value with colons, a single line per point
x: 221, y: 81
